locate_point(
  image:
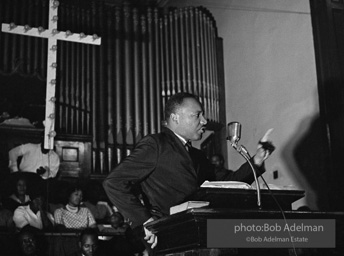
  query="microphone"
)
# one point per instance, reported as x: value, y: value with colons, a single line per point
x: 234, y: 135
x: 234, y: 132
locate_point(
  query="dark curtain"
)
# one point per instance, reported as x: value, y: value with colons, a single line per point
x: 115, y: 92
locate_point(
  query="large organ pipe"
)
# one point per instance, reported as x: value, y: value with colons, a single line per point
x: 72, y: 74
x: 162, y: 61
x: 188, y: 50
x: 151, y: 66
x: 95, y: 83
x: 182, y: 50
x: 89, y: 122
x: 128, y: 76
x: 177, y: 49
x: 101, y: 89
x: 83, y: 81
x: 109, y: 97
x: 77, y: 80
x: 203, y: 66
x: 167, y: 58
x: 137, y: 78
x: 145, y: 87
x: 210, y: 71
x: 62, y: 79
x: 207, y: 73
x: 67, y: 74
x: 213, y: 55
x: 171, y: 41
x: 61, y: 90
x: 193, y: 48
x: 213, y: 58
x: 158, y: 70
x: 198, y: 55
x: 118, y: 75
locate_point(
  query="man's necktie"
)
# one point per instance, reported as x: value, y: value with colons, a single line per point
x: 188, y: 146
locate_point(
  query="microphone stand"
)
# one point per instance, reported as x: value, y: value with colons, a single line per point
x: 243, y: 151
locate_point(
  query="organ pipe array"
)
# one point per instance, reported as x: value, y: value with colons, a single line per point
x: 115, y: 92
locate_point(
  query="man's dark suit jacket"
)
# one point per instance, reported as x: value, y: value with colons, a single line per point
x: 167, y: 174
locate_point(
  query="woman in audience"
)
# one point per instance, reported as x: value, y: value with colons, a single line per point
x: 19, y: 197
x: 73, y: 215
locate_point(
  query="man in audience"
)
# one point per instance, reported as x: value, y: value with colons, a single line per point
x: 88, y: 243
x: 29, y: 243
x: 124, y: 243
x: 221, y: 172
x: 35, y: 159
x: 33, y: 214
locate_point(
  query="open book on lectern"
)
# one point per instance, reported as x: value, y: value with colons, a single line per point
x: 226, y: 184
x: 188, y: 205
x: 243, y: 185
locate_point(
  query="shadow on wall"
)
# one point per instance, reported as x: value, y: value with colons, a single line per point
x: 307, y: 157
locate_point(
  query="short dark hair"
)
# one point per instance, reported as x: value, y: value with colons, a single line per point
x: 36, y: 193
x: 175, y: 101
x: 21, y: 176
x: 70, y: 189
x: 88, y: 232
x: 29, y: 230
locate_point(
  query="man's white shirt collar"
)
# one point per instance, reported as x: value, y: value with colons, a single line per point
x: 184, y: 141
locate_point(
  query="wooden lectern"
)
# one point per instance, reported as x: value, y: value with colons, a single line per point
x: 247, y: 198
x: 185, y: 233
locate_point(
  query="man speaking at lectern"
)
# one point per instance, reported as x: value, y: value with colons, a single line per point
x: 166, y: 167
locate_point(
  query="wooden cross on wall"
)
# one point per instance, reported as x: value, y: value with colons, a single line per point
x: 52, y: 34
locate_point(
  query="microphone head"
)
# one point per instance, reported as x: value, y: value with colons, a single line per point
x: 234, y: 132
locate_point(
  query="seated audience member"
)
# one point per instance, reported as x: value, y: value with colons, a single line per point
x: 34, y: 214
x: 19, y: 196
x: 100, y: 210
x: 73, y: 215
x: 124, y: 243
x: 88, y: 243
x: 35, y: 159
x: 6, y: 218
x: 221, y: 173
x: 117, y: 223
x: 29, y: 243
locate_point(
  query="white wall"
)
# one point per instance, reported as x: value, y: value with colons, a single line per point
x: 270, y: 78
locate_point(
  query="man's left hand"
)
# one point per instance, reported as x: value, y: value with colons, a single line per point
x: 264, y: 149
